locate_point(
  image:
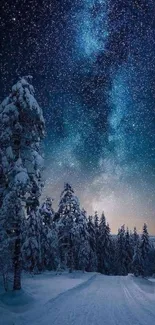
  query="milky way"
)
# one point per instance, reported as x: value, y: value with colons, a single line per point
x: 93, y: 64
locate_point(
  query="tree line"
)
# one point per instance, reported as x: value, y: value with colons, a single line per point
x: 33, y: 237
x: 69, y: 239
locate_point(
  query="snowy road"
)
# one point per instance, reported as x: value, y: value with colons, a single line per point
x: 102, y: 300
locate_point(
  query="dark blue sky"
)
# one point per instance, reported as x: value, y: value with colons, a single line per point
x: 93, y: 64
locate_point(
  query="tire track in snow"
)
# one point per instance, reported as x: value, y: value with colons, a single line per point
x: 137, y: 302
x: 101, y: 300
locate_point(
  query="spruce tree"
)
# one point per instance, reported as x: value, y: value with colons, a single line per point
x: 49, y: 237
x: 104, y: 242
x: 138, y: 262
x: 120, y: 252
x: 128, y: 252
x: 96, y: 223
x: 21, y: 129
x: 31, y: 248
x: 151, y: 261
x: 145, y: 244
x: 92, y: 262
x: 96, y: 227
x: 50, y: 247
x: 135, y: 237
x: 47, y: 211
x: 81, y: 241
x: 69, y: 210
x: 145, y: 248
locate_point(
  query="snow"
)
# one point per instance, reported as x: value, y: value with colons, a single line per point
x: 22, y: 178
x: 80, y: 298
x: 39, y: 161
x: 38, y: 291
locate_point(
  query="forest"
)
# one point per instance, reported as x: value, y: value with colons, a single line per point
x: 34, y: 237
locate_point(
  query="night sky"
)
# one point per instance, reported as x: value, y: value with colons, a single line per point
x: 93, y: 68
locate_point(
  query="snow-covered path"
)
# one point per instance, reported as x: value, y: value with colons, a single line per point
x: 108, y: 300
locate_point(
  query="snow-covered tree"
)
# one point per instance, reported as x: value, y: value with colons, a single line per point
x: 135, y: 237
x: 92, y: 262
x: 96, y: 223
x: 81, y: 241
x: 104, y: 244
x: 47, y: 211
x: 145, y: 247
x: 31, y: 249
x: 137, y: 262
x: 128, y: 252
x: 69, y: 210
x: 21, y: 129
x: 49, y: 237
x: 96, y: 227
x: 120, y: 252
x: 151, y: 261
x: 145, y: 243
x: 50, y: 247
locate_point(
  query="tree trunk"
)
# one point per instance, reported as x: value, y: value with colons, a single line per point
x: 17, y: 263
x: 71, y: 261
x: 71, y: 258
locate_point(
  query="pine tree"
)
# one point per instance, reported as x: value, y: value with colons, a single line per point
x: 128, y: 252
x: 92, y: 262
x: 137, y: 262
x: 49, y: 237
x: 145, y: 247
x: 31, y: 249
x: 135, y: 237
x: 145, y: 244
x: 151, y: 261
x: 50, y: 247
x: 69, y: 210
x: 104, y: 242
x: 110, y: 251
x: 120, y: 252
x: 81, y: 241
x: 96, y: 227
x: 96, y: 223
x: 21, y: 129
x: 47, y: 211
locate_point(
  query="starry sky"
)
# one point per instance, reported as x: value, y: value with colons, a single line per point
x: 93, y: 68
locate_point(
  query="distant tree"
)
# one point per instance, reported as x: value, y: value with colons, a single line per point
x: 96, y: 221
x: 151, y: 261
x: 92, y: 262
x: 21, y: 130
x: 120, y: 252
x: 135, y: 237
x: 50, y: 247
x: 69, y: 210
x: 31, y: 248
x: 145, y: 248
x: 101, y: 242
x: 47, y: 211
x: 128, y: 252
x: 49, y: 237
x: 96, y: 227
x: 104, y: 244
x: 81, y: 240
x: 137, y: 262
x: 145, y: 243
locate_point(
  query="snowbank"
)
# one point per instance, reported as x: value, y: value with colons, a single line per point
x: 37, y: 291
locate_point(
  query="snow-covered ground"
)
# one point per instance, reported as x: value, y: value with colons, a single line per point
x: 38, y: 290
x: 80, y: 298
